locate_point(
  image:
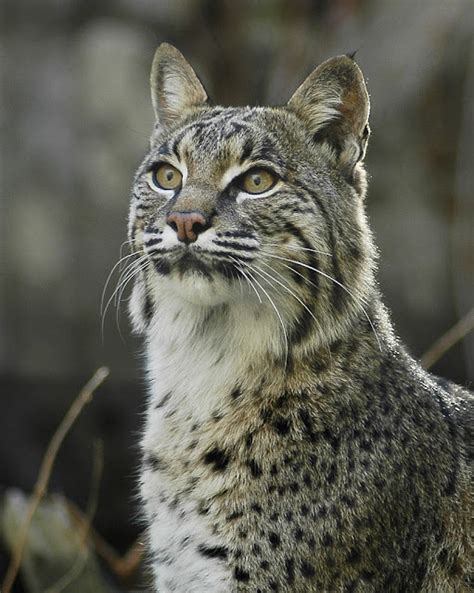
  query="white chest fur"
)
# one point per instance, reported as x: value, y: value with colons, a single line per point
x: 196, y: 357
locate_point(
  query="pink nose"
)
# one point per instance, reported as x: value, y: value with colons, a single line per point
x: 188, y: 225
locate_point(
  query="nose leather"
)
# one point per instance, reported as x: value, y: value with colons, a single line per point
x: 188, y: 225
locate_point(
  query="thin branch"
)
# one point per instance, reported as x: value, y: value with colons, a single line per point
x: 130, y: 562
x: 123, y: 567
x: 82, y: 555
x: 448, y: 340
x: 41, y: 485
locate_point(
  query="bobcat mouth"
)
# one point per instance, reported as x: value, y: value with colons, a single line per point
x: 190, y: 263
x: 185, y: 262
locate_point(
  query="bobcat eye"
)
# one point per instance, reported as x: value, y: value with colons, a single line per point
x: 165, y: 176
x: 257, y: 181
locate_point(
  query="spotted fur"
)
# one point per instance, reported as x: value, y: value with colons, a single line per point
x: 291, y: 443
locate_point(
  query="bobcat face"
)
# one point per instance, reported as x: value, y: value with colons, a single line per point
x: 263, y: 205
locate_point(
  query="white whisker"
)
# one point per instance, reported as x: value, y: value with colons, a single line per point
x: 239, y: 267
x: 130, y: 271
x: 142, y: 268
x: 120, y: 261
x: 293, y: 294
x: 249, y: 267
x: 355, y: 297
x: 298, y: 248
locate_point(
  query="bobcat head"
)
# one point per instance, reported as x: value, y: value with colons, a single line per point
x: 255, y: 205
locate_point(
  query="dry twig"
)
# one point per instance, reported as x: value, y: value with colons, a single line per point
x: 82, y: 556
x: 448, y: 340
x: 44, y: 474
x: 123, y: 567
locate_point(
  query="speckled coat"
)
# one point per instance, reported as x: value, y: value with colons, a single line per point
x: 291, y: 443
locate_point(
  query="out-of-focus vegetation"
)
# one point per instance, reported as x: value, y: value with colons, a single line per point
x: 75, y: 121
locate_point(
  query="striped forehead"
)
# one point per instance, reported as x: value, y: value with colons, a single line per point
x: 231, y: 135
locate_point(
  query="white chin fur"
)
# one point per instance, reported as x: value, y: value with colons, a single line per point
x: 196, y: 289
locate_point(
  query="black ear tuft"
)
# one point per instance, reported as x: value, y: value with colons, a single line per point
x: 352, y: 54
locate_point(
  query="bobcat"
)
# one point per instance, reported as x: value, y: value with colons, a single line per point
x: 291, y: 443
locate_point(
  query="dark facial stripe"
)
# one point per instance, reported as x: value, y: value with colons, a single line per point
x: 165, y: 149
x: 246, y: 150
x: 303, y: 326
x: 241, y: 234
x: 147, y: 307
x: 235, y: 245
x: 213, y: 551
x: 338, y: 293
x: 154, y: 241
x: 196, y: 127
x: 226, y: 254
x: 312, y: 259
x: 266, y: 152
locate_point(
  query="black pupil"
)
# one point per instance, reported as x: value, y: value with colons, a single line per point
x: 257, y: 179
x: 169, y: 175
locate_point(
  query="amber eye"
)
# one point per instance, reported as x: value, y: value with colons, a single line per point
x: 165, y: 176
x: 257, y: 181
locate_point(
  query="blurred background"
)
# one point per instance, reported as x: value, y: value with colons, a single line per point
x: 75, y: 119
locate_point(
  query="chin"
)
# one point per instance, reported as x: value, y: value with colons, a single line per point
x: 196, y: 288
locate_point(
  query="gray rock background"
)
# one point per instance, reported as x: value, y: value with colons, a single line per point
x: 75, y: 117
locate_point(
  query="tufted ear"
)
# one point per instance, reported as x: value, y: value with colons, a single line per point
x: 334, y: 103
x: 175, y: 88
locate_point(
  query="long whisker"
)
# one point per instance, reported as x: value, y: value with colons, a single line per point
x: 298, y: 248
x: 141, y: 268
x: 125, y: 276
x: 358, y: 299
x: 120, y: 261
x: 123, y: 273
x: 131, y: 274
x: 274, y: 307
x: 294, y: 295
x: 131, y: 270
x: 129, y: 242
x: 255, y: 268
x: 249, y: 282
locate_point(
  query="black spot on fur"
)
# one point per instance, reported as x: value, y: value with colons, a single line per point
x: 164, y: 400
x: 154, y: 462
x: 299, y: 533
x: 290, y: 570
x: 213, y: 551
x: 255, y: 468
x: 162, y: 267
x: 241, y: 575
x: 353, y: 557
x: 282, y: 425
x: 274, y: 539
x: 327, y: 540
x: 308, y: 425
x: 236, y: 393
x: 217, y: 458
x: 307, y: 570
x: 234, y: 515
